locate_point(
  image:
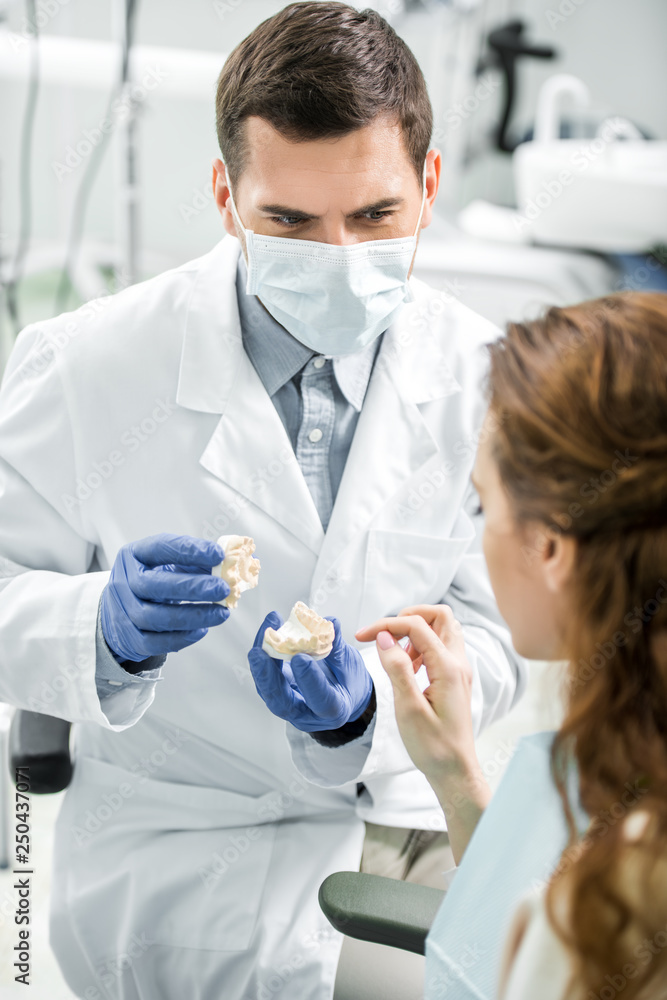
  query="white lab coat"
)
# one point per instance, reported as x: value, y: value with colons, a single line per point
x: 190, y: 847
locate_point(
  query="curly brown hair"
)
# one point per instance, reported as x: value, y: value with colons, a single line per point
x: 580, y: 400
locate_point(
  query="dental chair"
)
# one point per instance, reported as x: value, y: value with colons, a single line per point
x: 40, y: 743
x: 380, y: 910
x: 385, y: 922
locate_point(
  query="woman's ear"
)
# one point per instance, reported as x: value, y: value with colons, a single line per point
x: 558, y: 559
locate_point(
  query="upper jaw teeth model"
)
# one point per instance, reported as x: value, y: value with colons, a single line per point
x: 303, y: 632
x: 239, y: 569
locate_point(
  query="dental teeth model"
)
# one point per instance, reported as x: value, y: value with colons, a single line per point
x: 303, y: 632
x: 239, y: 569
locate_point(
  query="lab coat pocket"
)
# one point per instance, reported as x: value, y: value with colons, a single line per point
x: 403, y: 568
x: 182, y: 864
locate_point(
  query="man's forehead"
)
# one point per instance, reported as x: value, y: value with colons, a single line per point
x: 370, y: 163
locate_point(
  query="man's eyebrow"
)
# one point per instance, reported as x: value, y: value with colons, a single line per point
x: 297, y: 213
x: 377, y: 206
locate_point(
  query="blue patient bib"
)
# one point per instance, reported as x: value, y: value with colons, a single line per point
x: 514, y: 849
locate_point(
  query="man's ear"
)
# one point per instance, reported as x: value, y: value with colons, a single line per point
x: 557, y: 562
x: 432, y: 180
x: 221, y: 196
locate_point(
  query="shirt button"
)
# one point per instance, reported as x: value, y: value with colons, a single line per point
x: 319, y: 362
x: 315, y: 435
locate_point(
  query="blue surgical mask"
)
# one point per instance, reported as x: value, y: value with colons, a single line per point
x: 333, y: 299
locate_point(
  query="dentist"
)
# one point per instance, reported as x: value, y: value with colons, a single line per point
x: 295, y: 386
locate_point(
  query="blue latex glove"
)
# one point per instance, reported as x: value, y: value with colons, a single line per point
x: 141, y: 613
x: 313, y: 695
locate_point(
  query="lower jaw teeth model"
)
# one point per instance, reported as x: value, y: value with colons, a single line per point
x: 303, y: 632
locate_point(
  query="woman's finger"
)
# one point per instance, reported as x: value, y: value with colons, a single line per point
x: 443, y: 661
x: 398, y: 667
x: 420, y: 634
x: 429, y: 612
x: 415, y: 656
x: 442, y: 620
x: 440, y: 617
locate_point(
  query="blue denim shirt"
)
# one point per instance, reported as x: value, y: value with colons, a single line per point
x: 318, y: 400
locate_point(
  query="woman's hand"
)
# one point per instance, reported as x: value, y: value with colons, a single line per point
x: 436, y: 724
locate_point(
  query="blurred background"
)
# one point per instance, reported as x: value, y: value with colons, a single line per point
x: 112, y: 178
x: 551, y: 117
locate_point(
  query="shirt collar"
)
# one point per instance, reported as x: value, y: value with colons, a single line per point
x: 353, y: 373
x: 277, y: 356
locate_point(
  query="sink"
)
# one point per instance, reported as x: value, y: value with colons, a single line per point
x: 608, y: 193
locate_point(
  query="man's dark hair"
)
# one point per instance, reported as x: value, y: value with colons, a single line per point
x: 320, y: 70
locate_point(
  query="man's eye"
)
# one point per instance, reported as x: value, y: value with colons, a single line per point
x: 286, y: 220
x: 376, y: 216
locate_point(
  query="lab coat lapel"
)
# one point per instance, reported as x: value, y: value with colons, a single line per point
x: 251, y: 452
x: 249, y: 449
x: 392, y: 440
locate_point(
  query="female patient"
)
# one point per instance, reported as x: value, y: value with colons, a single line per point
x: 572, y: 475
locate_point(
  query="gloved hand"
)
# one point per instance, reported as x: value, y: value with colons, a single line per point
x: 313, y: 695
x: 141, y: 613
